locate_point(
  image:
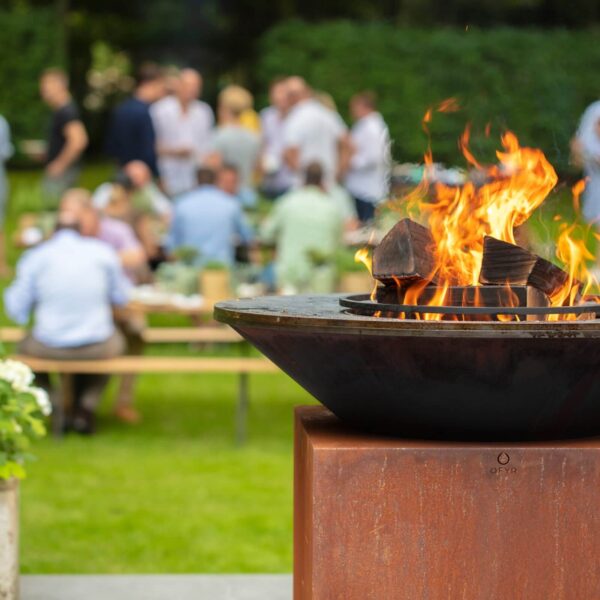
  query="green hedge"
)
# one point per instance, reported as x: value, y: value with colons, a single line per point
x: 535, y: 83
x: 30, y: 42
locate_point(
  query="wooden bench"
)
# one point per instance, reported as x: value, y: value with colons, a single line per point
x: 157, y: 335
x: 153, y: 364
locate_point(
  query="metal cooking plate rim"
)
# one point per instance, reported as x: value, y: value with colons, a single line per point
x: 323, y: 312
x: 363, y: 302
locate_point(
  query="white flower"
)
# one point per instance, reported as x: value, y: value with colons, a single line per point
x: 16, y: 373
x: 42, y: 399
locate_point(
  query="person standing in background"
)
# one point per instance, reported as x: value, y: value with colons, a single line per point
x: 277, y: 177
x: 6, y: 151
x: 306, y: 226
x: 183, y: 127
x: 235, y: 144
x: 369, y: 162
x: 67, y: 137
x: 312, y: 133
x: 586, y: 152
x: 131, y: 134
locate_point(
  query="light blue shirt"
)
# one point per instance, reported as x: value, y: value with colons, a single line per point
x: 210, y: 221
x: 70, y: 283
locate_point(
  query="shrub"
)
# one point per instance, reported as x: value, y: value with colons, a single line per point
x: 31, y: 42
x: 536, y: 83
x: 22, y: 410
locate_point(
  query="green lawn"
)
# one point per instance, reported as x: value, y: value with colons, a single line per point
x: 173, y: 494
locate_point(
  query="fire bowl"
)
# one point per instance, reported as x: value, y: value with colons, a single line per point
x: 472, y: 380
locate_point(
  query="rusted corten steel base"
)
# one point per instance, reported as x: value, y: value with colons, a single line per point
x: 389, y: 519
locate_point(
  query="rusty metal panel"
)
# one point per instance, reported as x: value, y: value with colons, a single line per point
x: 387, y: 519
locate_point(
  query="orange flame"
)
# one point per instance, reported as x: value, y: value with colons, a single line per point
x: 511, y: 301
x: 362, y: 256
x: 577, y: 190
x: 572, y: 252
x: 460, y: 217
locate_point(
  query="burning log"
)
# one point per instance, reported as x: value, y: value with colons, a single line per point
x: 405, y: 255
x: 507, y: 263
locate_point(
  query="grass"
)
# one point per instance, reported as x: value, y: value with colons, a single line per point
x: 173, y: 494
x: 170, y: 495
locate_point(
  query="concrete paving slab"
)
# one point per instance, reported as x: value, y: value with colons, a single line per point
x: 156, y: 587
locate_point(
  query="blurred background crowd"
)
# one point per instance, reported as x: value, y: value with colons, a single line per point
x: 186, y: 185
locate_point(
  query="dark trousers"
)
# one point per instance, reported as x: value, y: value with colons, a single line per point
x: 364, y: 209
x: 87, y: 388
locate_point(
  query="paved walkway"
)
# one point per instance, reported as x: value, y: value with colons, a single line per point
x: 156, y: 587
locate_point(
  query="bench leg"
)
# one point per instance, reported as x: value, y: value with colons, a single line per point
x: 241, y: 428
x: 64, y: 403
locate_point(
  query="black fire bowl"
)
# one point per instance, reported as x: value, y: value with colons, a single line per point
x: 480, y: 381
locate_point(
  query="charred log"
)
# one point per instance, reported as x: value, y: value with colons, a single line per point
x: 405, y: 255
x: 507, y: 263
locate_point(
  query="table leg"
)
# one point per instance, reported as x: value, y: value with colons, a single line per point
x: 63, y: 408
x: 242, y: 411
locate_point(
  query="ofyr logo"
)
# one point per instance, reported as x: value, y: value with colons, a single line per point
x: 503, y: 469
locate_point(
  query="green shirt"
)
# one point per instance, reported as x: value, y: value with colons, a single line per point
x: 306, y: 226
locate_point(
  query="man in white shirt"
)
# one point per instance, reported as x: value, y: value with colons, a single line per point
x: 312, y: 134
x: 183, y: 126
x: 368, y: 168
x: 277, y: 178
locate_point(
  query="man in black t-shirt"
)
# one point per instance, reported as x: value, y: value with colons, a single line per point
x: 67, y: 137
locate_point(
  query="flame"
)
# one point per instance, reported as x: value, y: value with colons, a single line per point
x: 439, y: 299
x: 577, y: 190
x: 445, y: 106
x: 363, y: 256
x: 448, y: 105
x: 511, y: 301
x: 463, y: 144
x: 460, y: 217
x: 572, y: 252
x: 574, y: 255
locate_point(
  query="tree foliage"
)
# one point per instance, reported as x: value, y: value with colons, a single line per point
x: 31, y: 42
x: 533, y: 82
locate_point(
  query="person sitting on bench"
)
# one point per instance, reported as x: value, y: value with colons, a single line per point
x: 70, y: 283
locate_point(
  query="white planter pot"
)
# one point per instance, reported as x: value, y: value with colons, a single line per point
x: 9, y: 539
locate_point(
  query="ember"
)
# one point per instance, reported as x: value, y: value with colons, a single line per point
x: 470, y: 243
